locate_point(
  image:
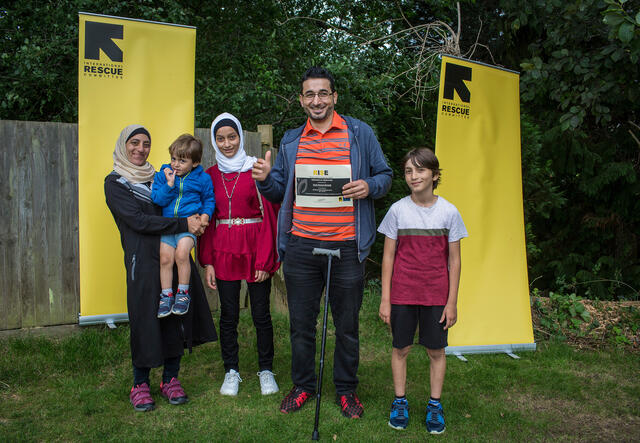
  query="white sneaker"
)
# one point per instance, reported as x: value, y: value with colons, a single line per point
x: 268, y: 383
x: 231, y: 383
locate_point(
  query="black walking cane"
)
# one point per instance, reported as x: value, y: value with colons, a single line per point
x: 329, y: 253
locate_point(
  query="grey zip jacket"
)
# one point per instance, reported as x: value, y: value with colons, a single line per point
x: 367, y: 163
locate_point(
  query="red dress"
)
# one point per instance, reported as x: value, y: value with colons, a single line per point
x: 237, y: 251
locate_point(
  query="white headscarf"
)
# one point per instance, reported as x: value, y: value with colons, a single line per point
x: 122, y: 165
x: 240, y: 162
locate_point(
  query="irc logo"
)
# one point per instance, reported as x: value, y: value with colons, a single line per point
x: 454, y: 80
x: 454, y: 77
x: 99, y: 36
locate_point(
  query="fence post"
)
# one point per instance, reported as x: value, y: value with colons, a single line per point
x: 266, y: 137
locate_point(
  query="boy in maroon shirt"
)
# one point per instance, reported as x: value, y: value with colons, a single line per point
x: 420, y: 277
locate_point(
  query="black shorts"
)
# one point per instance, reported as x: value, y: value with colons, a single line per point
x: 405, y: 319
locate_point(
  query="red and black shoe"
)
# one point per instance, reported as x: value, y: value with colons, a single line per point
x: 294, y: 400
x: 350, y: 405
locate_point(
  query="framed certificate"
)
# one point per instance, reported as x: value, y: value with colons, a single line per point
x: 320, y: 186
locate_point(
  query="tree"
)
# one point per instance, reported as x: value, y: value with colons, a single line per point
x: 39, y: 52
x: 580, y: 92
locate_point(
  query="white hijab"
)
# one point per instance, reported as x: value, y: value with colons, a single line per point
x: 240, y: 162
x: 122, y: 165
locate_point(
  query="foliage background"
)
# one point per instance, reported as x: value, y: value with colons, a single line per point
x: 579, y: 97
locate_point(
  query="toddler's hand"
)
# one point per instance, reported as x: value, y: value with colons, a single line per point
x: 195, y: 224
x: 170, y: 175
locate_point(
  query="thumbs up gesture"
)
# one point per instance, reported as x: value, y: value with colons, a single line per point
x: 261, y: 168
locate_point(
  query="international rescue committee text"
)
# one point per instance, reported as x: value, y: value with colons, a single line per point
x: 99, y: 69
x: 455, y: 109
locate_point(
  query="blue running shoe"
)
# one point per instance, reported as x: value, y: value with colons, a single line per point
x: 435, y: 418
x: 165, y: 305
x: 399, y: 416
x: 181, y: 305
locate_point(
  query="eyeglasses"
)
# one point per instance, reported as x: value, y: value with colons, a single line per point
x: 310, y: 95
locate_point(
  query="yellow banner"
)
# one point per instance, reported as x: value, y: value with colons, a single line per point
x: 129, y: 71
x: 478, y: 145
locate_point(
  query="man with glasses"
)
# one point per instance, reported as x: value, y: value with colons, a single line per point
x: 326, y: 175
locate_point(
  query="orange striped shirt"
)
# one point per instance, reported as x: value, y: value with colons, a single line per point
x: 330, y: 148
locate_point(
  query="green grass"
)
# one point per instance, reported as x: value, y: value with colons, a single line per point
x: 76, y: 388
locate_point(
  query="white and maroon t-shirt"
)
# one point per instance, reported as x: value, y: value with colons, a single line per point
x: 420, y: 270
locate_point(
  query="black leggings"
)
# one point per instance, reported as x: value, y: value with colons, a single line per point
x: 171, y: 369
x: 229, y: 293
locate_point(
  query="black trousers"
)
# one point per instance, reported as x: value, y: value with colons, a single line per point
x: 259, y: 293
x: 305, y: 277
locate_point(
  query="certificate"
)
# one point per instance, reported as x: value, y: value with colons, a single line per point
x: 320, y: 186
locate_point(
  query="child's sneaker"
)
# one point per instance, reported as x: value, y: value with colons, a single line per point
x: 435, y: 418
x: 166, y: 303
x: 173, y: 392
x: 268, y: 383
x: 231, y: 383
x: 399, y: 416
x: 181, y: 305
x: 140, y: 398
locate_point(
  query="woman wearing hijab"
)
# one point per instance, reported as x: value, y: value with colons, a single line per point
x: 239, y: 244
x: 154, y: 342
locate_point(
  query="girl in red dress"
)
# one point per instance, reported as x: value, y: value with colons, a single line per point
x: 239, y: 244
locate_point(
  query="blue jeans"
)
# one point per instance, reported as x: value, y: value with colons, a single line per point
x: 305, y: 277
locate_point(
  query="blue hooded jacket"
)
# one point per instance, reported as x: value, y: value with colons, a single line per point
x: 191, y: 194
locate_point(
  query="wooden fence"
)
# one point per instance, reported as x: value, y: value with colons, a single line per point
x: 39, y: 272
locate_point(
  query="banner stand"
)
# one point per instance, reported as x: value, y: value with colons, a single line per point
x: 129, y: 72
x: 478, y: 146
x: 510, y: 349
x: 109, y: 319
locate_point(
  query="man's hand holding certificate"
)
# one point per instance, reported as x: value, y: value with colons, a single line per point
x: 357, y: 189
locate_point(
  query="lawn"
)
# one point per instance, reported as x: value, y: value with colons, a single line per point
x: 76, y: 388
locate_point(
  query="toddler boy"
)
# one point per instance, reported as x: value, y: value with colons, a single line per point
x: 182, y: 189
